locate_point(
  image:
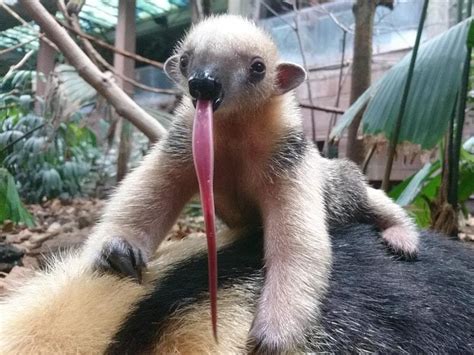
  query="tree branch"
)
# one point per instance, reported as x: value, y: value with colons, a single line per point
x: 122, y: 103
x: 18, y: 45
x: 25, y: 23
x: 20, y: 63
x: 328, y: 109
x: 106, y: 45
x: 93, y: 54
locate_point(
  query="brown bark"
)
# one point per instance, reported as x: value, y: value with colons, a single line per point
x: 44, y: 66
x: 102, y: 82
x: 364, y: 11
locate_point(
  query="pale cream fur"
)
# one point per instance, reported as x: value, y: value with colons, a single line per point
x: 297, y: 257
x: 398, y: 230
x: 67, y: 310
x: 189, y: 330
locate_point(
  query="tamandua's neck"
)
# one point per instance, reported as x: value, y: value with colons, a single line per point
x: 258, y: 134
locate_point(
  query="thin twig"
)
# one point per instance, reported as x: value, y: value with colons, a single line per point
x: 20, y: 63
x: 342, y: 78
x: 368, y: 157
x: 25, y: 23
x: 305, y: 65
x: 18, y: 45
x: 11, y: 144
x: 335, y: 110
x: 325, y: 11
x: 106, y: 45
x: 92, y: 52
x: 269, y: 8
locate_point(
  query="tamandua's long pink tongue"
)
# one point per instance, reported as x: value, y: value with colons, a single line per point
x: 203, y: 153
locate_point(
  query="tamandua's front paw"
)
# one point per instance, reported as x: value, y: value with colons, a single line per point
x: 119, y: 257
x: 402, y: 240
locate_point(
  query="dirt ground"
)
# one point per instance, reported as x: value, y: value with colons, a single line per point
x: 60, y: 225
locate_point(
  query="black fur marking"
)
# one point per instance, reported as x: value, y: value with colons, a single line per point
x: 187, y: 284
x: 179, y: 141
x: 345, y: 195
x: 374, y: 302
x: 290, y: 152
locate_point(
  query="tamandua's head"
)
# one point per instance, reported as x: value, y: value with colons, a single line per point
x: 233, y: 63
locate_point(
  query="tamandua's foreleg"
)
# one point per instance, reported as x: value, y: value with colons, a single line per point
x: 140, y: 213
x: 398, y: 230
x: 297, y: 266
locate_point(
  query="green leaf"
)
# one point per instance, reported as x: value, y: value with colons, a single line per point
x: 466, y: 185
x: 10, y: 203
x: 435, y: 85
x: 470, y: 37
x: 415, y: 185
x: 352, y: 112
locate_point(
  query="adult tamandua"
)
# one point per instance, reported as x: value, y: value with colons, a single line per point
x: 266, y: 175
x: 373, y: 304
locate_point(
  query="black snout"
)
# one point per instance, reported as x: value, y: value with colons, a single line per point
x: 203, y: 86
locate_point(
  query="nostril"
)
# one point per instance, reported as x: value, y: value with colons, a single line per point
x: 204, y: 88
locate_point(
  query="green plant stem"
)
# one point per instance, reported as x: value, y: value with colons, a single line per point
x: 398, y: 123
x: 448, y: 157
x: 461, y: 111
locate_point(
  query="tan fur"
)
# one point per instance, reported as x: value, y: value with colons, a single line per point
x: 67, y: 310
x: 71, y: 310
x: 189, y: 330
x: 145, y: 205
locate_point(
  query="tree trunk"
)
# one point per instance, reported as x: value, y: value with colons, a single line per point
x: 364, y: 11
x: 44, y: 67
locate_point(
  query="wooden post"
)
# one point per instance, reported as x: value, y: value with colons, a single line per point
x: 125, y: 39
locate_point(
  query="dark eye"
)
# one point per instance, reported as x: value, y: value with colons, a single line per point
x: 257, y: 70
x: 257, y: 66
x: 183, y: 62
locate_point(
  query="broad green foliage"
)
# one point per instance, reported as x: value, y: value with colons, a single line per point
x: 433, y: 92
x: 11, y: 207
x: 417, y: 191
x: 46, y: 164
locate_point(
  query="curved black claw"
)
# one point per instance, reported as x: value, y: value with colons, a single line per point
x: 120, y: 258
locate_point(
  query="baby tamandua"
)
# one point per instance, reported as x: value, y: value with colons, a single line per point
x: 266, y: 175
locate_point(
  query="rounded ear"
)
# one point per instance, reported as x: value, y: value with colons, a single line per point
x: 289, y: 76
x: 171, y: 68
